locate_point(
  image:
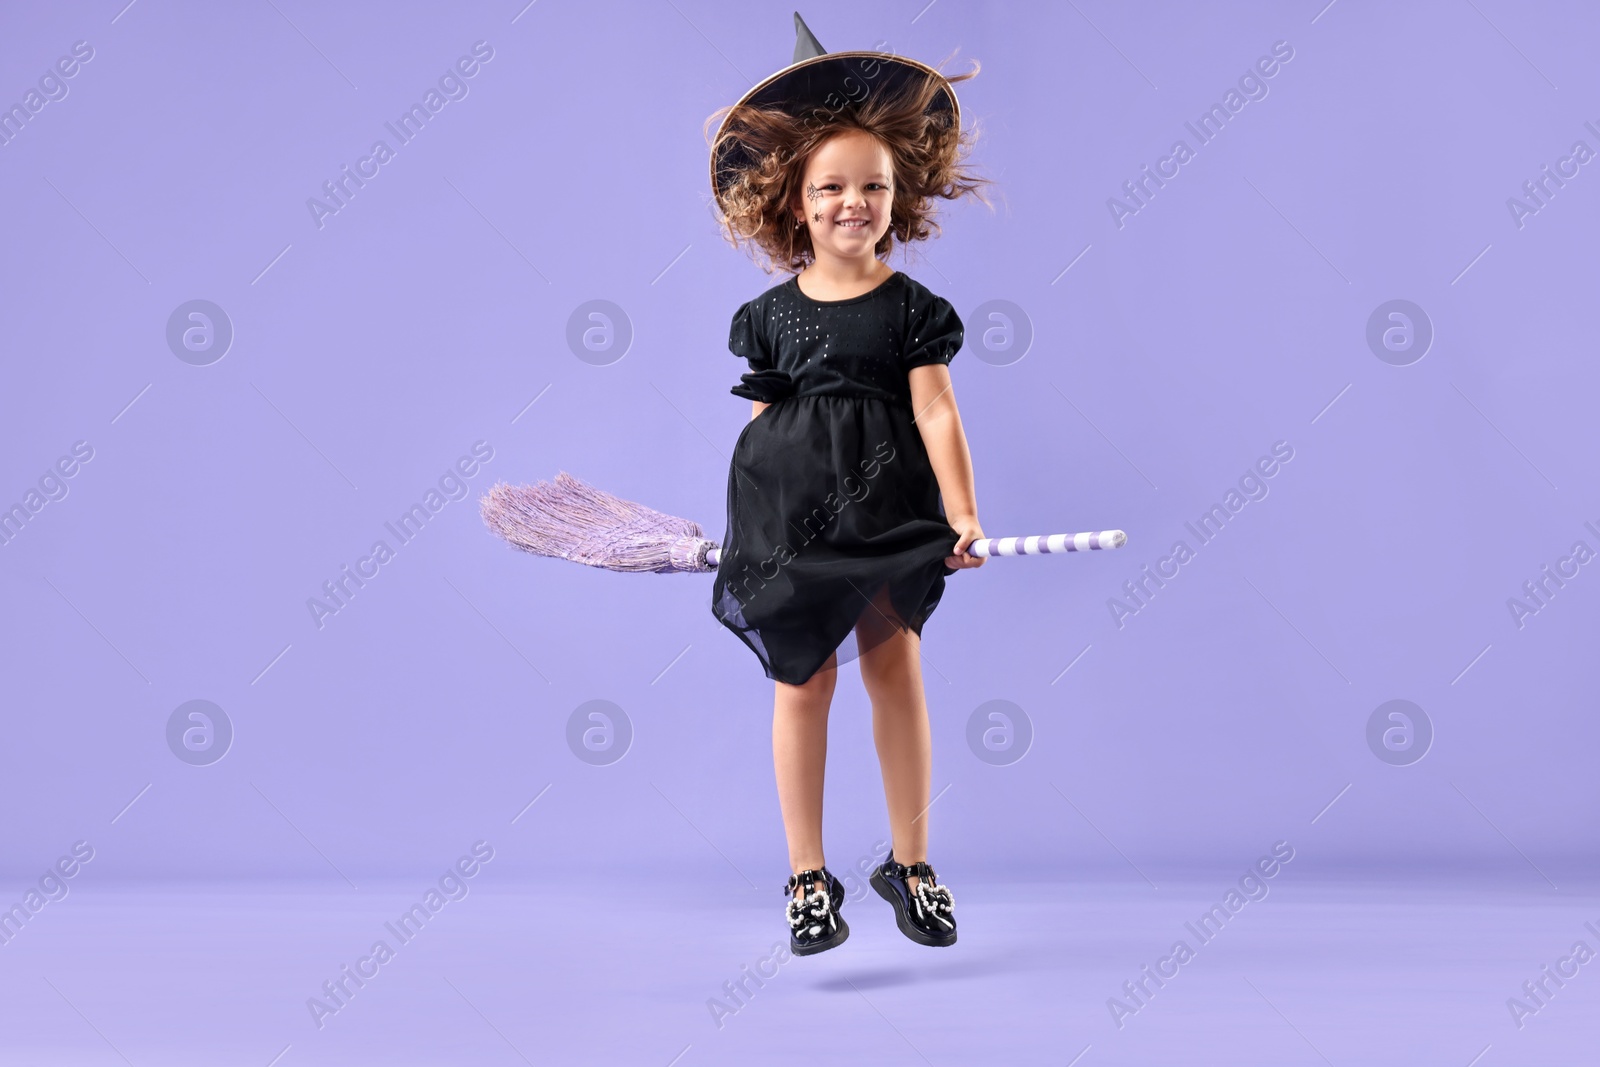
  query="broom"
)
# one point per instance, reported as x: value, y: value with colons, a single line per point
x: 570, y: 519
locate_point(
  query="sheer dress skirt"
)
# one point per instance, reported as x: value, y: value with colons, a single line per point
x: 836, y: 535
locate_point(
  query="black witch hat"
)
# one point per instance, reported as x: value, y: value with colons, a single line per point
x: 823, y: 83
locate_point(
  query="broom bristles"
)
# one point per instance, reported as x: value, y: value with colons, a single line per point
x: 569, y: 519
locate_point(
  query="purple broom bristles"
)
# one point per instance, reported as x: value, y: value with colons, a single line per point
x: 569, y: 519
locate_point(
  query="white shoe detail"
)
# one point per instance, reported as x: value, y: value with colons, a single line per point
x: 931, y: 900
x: 811, y: 912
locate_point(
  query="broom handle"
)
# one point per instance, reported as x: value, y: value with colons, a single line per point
x: 1037, y: 545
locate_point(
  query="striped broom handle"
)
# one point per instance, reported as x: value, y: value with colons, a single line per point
x: 1037, y: 545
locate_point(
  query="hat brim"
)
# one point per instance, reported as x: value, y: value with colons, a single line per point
x: 825, y: 84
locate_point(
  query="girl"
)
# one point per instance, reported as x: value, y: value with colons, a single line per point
x: 838, y: 541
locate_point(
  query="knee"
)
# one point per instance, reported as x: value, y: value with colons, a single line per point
x: 889, y: 668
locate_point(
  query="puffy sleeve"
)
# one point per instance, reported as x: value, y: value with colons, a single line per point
x: 933, y: 332
x: 748, y: 338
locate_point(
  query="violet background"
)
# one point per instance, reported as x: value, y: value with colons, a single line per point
x: 432, y: 311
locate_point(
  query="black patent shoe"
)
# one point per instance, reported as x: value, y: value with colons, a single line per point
x: 926, y: 914
x: 815, y: 924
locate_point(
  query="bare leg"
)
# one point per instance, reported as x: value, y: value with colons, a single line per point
x: 891, y: 671
x: 799, y: 752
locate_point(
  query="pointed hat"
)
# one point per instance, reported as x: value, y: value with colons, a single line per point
x: 823, y: 83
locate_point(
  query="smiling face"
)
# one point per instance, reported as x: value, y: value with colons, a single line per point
x: 847, y: 196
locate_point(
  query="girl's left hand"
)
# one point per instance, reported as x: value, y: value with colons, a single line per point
x: 969, y: 531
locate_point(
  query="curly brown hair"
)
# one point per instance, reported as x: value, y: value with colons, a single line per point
x: 930, y: 160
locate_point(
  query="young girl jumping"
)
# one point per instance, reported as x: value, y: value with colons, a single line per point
x: 850, y: 491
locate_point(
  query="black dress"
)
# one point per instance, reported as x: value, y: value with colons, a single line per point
x: 836, y: 535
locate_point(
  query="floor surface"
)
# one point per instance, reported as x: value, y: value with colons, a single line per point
x: 1350, y: 973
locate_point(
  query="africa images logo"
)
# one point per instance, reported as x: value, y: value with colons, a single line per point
x: 452, y: 885
x: 833, y: 504
x: 340, y: 590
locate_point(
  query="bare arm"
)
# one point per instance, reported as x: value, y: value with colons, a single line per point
x: 933, y: 405
x: 756, y: 408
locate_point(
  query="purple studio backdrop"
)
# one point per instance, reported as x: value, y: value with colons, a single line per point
x: 1300, y: 296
